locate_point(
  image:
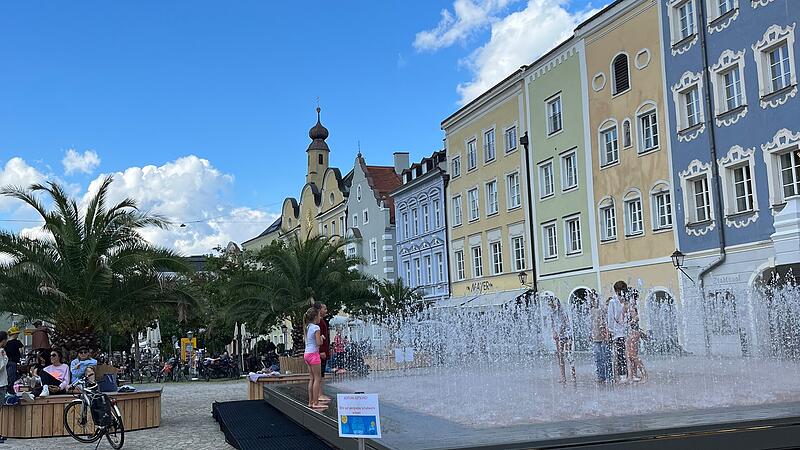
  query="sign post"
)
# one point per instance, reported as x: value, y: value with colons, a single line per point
x: 359, y: 417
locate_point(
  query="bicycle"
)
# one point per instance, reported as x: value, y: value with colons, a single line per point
x: 86, y: 424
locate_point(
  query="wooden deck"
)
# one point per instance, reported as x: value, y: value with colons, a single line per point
x: 255, y: 390
x: 45, y: 416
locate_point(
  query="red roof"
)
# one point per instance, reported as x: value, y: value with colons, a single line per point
x: 383, y: 179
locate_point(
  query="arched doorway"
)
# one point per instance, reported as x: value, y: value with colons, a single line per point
x: 663, y: 321
x: 581, y: 322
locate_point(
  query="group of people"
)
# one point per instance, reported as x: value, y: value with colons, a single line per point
x: 615, y: 336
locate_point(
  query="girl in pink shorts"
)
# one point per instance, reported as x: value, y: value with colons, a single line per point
x: 312, y: 358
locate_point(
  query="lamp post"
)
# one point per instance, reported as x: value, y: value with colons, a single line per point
x: 284, y: 329
x: 677, y: 260
x: 523, y: 140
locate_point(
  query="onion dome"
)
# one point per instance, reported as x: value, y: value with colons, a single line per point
x: 318, y: 134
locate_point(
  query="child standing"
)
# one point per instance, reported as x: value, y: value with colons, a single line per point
x: 312, y: 357
x: 562, y: 336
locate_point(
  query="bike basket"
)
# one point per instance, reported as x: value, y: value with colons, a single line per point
x: 101, y: 410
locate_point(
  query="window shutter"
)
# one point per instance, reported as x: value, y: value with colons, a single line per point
x: 621, y: 81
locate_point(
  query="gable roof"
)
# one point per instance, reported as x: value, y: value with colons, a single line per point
x: 276, y: 226
x: 383, y: 180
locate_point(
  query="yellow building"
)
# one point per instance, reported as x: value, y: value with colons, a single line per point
x: 323, y: 199
x: 487, y: 225
x: 633, y: 195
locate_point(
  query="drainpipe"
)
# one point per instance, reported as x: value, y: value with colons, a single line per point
x: 720, y: 213
x: 524, y: 141
x: 445, y: 182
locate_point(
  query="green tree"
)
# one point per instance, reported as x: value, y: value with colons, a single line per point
x: 292, y: 276
x: 93, y: 273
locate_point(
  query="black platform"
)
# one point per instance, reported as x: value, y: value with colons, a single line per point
x: 775, y: 426
x: 255, y: 425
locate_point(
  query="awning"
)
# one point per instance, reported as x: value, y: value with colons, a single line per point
x: 453, y: 302
x: 495, y: 298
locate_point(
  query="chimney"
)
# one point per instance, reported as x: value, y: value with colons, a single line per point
x: 400, y: 162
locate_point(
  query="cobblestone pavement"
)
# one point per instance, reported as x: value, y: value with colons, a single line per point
x: 186, y: 421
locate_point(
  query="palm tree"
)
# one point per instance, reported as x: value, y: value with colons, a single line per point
x: 93, y: 270
x: 294, y: 275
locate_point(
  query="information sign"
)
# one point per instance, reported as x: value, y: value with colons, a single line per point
x: 359, y: 416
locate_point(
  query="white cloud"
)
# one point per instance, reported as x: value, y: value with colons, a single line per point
x: 468, y: 17
x: 516, y: 39
x: 188, y: 190
x: 19, y: 173
x: 76, y: 162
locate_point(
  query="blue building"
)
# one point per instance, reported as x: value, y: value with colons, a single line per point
x: 734, y: 129
x: 422, y: 228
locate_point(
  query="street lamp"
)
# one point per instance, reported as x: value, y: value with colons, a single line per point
x: 677, y: 260
x: 523, y: 277
x: 284, y: 329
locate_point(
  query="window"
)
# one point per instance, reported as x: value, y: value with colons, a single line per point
x: 366, y: 216
x: 474, y: 212
x: 634, y: 223
x: 518, y: 245
x: 459, y: 257
x: 404, y: 219
x: 407, y: 269
x: 457, y: 213
x: 488, y: 146
x: 415, y: 221
x: 333, y: 227
x: 729, y: 90
x: 472, y: 155
x: 554, y: 122
x: 774, y: 55
x: 550, y: 241
x: 620, y: 74
x: 702, y: 202
x: 514, y: 196
x: 572, y: 229
x: 733, y: 89
x: 497, y: 257
x: 456, y: 163
x: 425, y: 218
x: 790, y: 173
x: 546, y: 188
x: 325, y: 230
x: 428, y: 270
x: 358, y: 193
x: 569, y: 171
x: 491, y: 198
x: 724, y: 7
x: 648, y: 131
x: 627, y: 141
x: 692, y: 102
x: 477, y: 263
x: 373, y: 251
x: 686, y: 20
x: 418, y: 272
x: 351, y: 251
x: 341, y: 225
x: 440, y: 267
x: 511, y: 139
x: 355, y: 220
x: 437, y: 214
x: 320, y: 159
x: 609, y: 145
x: 608, y: 215
x: 662, y: 212
x: 743, y: 188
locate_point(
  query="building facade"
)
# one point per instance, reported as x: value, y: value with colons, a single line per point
x: 372, y: 220
x: 420, y: 205
x: 323, y: 200
x: 632, y: 180
x: 487, y: 219
x: 562, y: 188
x: 732, y: 85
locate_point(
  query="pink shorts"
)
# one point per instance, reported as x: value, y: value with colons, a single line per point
x: 312, y: 359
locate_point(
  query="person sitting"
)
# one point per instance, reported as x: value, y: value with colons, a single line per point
x: 78, y: 365
x: 55, y: 377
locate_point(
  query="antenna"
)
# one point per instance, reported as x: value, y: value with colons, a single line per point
x: 359, y: 147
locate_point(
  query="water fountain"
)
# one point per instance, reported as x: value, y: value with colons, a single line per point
x: 727, y: 356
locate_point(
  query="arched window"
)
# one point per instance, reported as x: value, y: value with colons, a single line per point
x: 661, y: 206
x: 634, y: 217
x: 626, y: 133
x: 620, y: 74
x: 358, y: 193
x: 608, y: 219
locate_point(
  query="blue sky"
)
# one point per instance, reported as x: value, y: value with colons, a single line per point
x: 218, y: 97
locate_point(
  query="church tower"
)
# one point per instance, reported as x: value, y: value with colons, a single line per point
x: 318, y: 153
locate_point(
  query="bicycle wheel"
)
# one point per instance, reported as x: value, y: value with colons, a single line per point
x: 115, y: 433
x: 77, y: 423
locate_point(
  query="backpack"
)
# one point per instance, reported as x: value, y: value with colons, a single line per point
x: 101, y: 410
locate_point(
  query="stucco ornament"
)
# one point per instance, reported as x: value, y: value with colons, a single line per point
x: 722, y: 24
x: 783, y: 139
x: 702, y: 231
x: 743, y: 221
x: 757, y: 3
x: 728, y: 60
x: 774, y: 34
x: 686, y: 82
x: 695, y: 169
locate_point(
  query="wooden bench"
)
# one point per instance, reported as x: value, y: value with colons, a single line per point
x: 255, y: 389
x: 45, y: 416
